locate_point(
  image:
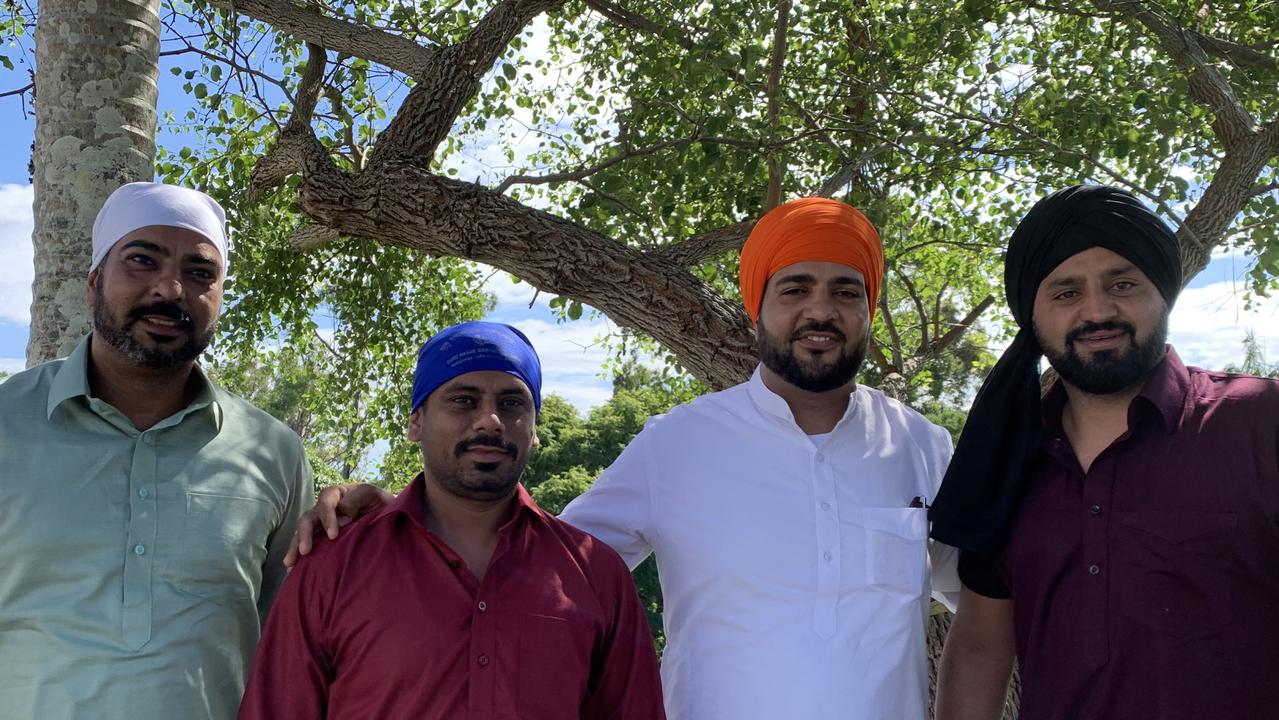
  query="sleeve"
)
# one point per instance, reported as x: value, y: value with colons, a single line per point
x: 618, y: 507
x: 980, y: 573
x: 943, y: 560
x: 291, y: 670
x: 625, y: 683
x: 300, y: 499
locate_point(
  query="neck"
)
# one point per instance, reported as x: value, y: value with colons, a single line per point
x: 466, y: 525
x: 1093, y: 422
x: 814, y: 412
x: 145, y: 395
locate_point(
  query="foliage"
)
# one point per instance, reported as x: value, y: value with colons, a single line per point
x: 4, y: 375
x: 1254, y: 359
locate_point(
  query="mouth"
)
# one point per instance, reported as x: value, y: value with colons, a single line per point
x: 817, y: 341
x: 482, y: 454
x: 1106, y: 340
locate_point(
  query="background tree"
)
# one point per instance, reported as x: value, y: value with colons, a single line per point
x: 95, y: 107
x: 1254, y: 359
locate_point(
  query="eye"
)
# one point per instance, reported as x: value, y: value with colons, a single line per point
x: 1066, y: 295
x: 1124, y: 285
x: 140, y: 259
x: 513, y: 403
x: 203, y: 273
x: 463, y: 401
x: 849, y: 293
x: 793, y: 291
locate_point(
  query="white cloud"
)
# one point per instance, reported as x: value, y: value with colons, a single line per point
x: 571, y: 358
x: 18, y: 269
x: 512, y: 296
x: 1208, y: 325
x: 12, y: 365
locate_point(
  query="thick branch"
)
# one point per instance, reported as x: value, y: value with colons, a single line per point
x: 699, y: 248
x: 450, y: 80
x: 1241, y: 56
x: 1207, y: 85
x: 351, y: 38
x: 684, y: 37
x: 407, y: 206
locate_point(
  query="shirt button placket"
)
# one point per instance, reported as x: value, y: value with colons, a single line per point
x: 1098, y: 486
x: 139, y: 562
x: 827, y: 549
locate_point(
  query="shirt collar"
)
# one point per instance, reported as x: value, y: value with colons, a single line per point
x: 72, y: 381
x: 1166, y: 390
x: 411, y: 502
x: 774, y: 406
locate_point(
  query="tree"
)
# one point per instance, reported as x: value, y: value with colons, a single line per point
x: 95, y: 103
x: 1254, y: 359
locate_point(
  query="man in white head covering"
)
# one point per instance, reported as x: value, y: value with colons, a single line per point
x: 146, y: 510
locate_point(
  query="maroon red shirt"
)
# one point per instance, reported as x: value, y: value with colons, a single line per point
x: 387, y: 622
x: 1149, y: 587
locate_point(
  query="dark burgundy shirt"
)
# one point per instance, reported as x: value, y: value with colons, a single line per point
x: 1149, y: 586
x: 387, y: 622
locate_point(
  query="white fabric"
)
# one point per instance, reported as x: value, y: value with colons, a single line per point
x: 795, y: 577
x: 143, y: 204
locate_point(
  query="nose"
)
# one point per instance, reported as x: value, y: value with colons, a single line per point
x: 819, y: 307
x: 487, y: 420
x: 1098, y: 306
x: 167, y: 285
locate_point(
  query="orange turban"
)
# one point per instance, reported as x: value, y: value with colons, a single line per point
x: 809, y: 229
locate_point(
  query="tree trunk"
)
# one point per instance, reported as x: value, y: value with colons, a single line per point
x: 95, y: 103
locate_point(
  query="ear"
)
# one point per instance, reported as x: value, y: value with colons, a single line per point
x: 537, y: 442
x: 415, y: 423
x: 91, y: 287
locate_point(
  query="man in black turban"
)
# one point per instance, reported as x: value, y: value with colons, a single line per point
x: 1121, y: 531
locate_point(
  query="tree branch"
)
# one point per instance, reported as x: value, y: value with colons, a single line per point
x: 450, y: 80
x: 1241, y: 56
x: 700, y: 248
x: 351, y: 38
x: 773, y: 196
x: 918, y: 302
x: 1234, y: 124
x: 586, y: 172
x: 684, y: 36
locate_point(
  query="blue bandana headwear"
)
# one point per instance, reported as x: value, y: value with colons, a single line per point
x: 473, y: 347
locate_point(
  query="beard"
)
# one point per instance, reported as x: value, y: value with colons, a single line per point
x: 828, y: 371
x: 1108, y: 371
x: 119, y: 335
x: 474, y: 480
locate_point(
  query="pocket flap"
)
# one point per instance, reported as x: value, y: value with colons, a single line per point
x: 1179, y: 527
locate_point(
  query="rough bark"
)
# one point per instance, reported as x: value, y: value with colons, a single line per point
x: 95, y: 105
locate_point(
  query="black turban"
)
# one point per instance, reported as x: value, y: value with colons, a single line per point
x: 991, y: 465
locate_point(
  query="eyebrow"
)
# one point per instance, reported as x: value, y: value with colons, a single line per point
x: 807, y: 279
x: 194, y: 258
x: 1108, y: 274
x: 505, y: 392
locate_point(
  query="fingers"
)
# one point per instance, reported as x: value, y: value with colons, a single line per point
x: 323, y: 515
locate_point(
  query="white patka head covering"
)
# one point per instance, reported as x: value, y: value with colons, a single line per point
x: 143, y: 204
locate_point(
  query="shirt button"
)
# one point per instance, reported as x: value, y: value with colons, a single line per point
x: 139, y: 549
x: 1093, y: 569
x: 1095, y: 509
x: 483, y: 660
x: 821, y: 457
x: 143, y: 492
x: 483, y: 606
x: 825, y: 505
x: 828, y: 555
x: 148, y: 439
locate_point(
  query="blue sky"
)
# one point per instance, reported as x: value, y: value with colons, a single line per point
x: 1207, y: 326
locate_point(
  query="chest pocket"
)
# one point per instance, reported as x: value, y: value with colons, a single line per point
x: 1178, y: 570
x: 897, y: 549
x: 224, y: 545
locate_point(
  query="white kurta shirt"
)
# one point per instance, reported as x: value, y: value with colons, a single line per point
x: 795, y: 575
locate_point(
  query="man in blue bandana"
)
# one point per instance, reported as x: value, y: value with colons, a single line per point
x: 461, y: 598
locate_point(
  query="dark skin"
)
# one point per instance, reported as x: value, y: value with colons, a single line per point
x: 470, y: 486
x: 148, y: 265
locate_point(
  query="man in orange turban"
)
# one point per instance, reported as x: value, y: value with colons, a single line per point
x: 787, y: 513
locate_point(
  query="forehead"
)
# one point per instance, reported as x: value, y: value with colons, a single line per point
x: 176, y: 241
x: 486, y: 381
x: 1093, y: 262
x: 818, y: 271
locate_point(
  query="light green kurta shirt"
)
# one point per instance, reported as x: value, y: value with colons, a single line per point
x: 137, y: 566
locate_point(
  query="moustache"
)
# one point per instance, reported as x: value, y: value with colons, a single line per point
x: 485, y: 441
x: 162, y: 308
x: 1090, y: 328
x: 820, y: 327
